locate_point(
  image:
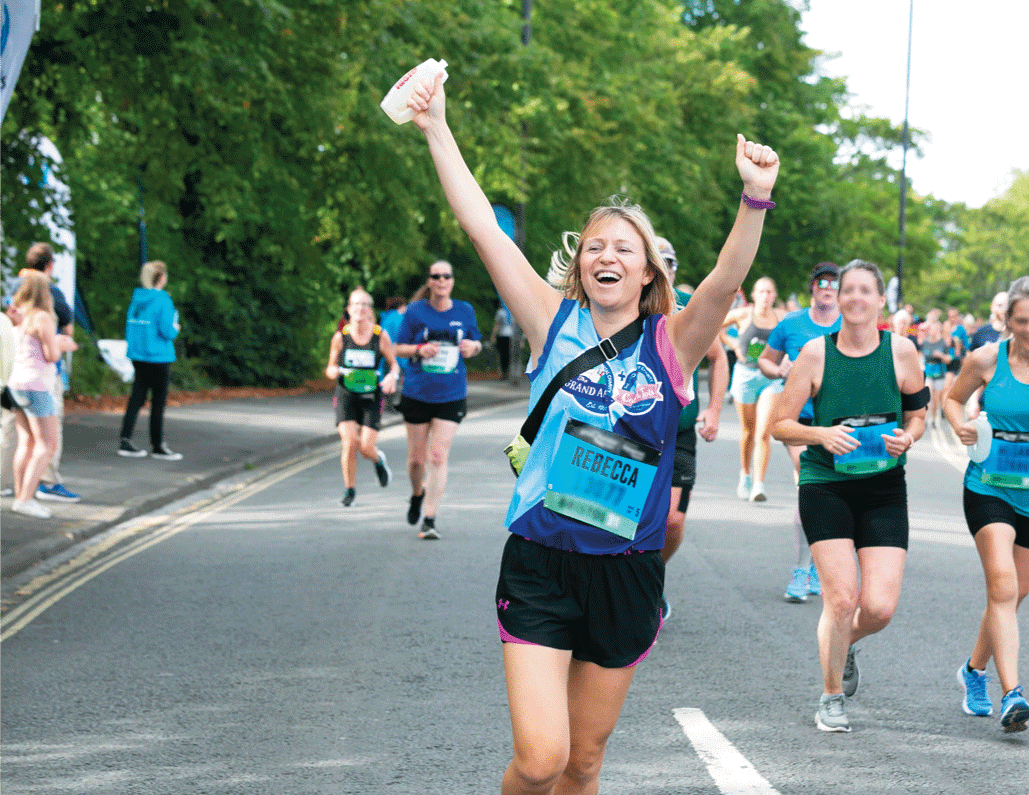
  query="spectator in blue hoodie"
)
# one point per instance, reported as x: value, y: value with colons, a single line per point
x: 151, y: 327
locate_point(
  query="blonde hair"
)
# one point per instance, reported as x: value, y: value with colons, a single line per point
x: 656, y: 298
x: 151, y: 272
x: 34, y: 293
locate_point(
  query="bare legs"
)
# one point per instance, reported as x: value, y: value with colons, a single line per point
x: 853, y: 610
x: 354, y: 438
x: 1006, y: 567
x: 558, y: 752
x: 37, y: 441
x: 428, y: 453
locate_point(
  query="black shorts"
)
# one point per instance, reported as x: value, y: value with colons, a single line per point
x: 684, y: 471
x: 365, y: 410
x: 984, y: 509
x: 605, y: 609
x: 872, y: 511
x: 954, y: 365
x: 417, y: 412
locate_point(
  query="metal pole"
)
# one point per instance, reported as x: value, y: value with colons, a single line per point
x: 903, y: 170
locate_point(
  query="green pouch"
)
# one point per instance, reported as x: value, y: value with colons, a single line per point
x: 517, y: 451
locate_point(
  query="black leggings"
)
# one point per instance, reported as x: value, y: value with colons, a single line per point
x: 152, y: 377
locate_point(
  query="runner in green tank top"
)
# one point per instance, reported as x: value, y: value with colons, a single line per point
x: 869, y: 399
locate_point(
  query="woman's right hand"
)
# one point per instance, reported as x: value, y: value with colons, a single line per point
x: 428, y: 101
x: 837, y: 439
x: 968, y: 434
x: 66, y: 343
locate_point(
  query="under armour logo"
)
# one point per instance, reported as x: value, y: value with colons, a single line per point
x: 503, y: 603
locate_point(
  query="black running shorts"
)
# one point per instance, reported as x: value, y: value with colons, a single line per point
x: 871, y: 511
x: 984, y: 509
x: 605, y: 609
x: 365, y: 410
x: 417, y: 412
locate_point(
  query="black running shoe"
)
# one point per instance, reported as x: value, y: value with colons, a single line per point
x: 429, y: 532
x: 414, y: 510
x: 348, y: 497
x: 129, y: 450
x: 383, y: 471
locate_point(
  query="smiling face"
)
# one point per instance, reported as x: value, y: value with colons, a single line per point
x: 1018, y: 321
x: 359, y: 306
x: 860, y: 299
x: 613, y: 265
x: 441, y: 280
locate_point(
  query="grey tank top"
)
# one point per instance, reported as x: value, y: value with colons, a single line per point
x: 751, y: 342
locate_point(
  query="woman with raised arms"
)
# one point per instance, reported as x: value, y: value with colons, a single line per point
x: 581, y: 579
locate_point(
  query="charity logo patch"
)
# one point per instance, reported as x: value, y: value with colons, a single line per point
x: 634, y: 392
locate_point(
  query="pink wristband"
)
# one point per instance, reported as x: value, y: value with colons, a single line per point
x: 757, y: 204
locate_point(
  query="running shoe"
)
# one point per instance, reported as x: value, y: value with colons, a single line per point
x: 162, y: 453
x: 1014, y: 711
x: 56, y: 493
x: 414, y: 510
x: 973, y: 682
x: 743, y: 487
x: 814, y: 585
x: 7, y: 491
x: 429, y: 532
x: 348, y: 497
x: 757, y: 494
x: 31, y: 508
x: 129, y: 450
x: 851, y: 674
x: 666, y: 609
x: 383, y: 471
x: 832, y: 714
x: 796, y: 590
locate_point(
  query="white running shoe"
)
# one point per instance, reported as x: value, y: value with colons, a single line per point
x: 31, y: 508
x: 743, y: 487
x: 757, y: 494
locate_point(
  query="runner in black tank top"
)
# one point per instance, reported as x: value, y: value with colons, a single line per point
x: 354, y: 357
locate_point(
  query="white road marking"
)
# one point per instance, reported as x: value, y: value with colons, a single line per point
x: 732, y: 773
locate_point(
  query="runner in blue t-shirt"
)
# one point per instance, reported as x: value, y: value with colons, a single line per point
x: 784, y: 344
x: 437, y: 335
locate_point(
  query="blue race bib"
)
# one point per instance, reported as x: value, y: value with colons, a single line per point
x: 1007, y: 465
x: 600, y: 478
x: 870, y: 456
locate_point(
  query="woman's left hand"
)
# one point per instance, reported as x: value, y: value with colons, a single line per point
x: 899, y: 443
x: 758, y: 166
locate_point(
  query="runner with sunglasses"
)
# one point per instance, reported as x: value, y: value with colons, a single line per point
x: 783, y: 348
x: 437, y: 335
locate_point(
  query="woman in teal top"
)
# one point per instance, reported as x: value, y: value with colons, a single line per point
x: 996, y: 500
x: 869, y: 400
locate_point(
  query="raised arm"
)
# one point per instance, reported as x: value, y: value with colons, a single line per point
x: 532, y: 301
x: 693, y: 328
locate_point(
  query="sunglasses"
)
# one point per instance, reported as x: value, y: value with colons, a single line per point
x: 439, y: 276
x: 831, y: 284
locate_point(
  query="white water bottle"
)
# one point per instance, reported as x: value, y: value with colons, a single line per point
x: 395, y: 102
x: 979, y: 451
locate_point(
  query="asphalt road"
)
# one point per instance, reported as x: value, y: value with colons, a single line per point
x: 259, y: 638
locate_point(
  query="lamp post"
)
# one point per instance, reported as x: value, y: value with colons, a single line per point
x: 903, y: 169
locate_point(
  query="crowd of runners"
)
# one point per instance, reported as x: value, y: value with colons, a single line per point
x: 606, y: 464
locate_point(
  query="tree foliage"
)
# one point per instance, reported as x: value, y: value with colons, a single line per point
x: 271, y: 181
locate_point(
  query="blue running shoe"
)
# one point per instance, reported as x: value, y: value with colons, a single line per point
x: 976, y: 700
x: 1014, y: 711
x: 666, y: 609
x: 814, y: 585
x: 796, y: 591
x: 56, y: 493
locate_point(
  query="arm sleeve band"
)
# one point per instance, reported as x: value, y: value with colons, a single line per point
x: 916, y: 400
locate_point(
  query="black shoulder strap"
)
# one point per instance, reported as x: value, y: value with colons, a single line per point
x: 605, y: 350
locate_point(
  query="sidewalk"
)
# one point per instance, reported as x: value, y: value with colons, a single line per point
x: 216, y: 440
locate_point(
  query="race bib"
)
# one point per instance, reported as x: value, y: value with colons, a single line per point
x: 870, y: 456
x: 754, y: 349
x: 1007, y: 465
x: 359, y: 357
x: 601, y: 478
x: 445, y: 361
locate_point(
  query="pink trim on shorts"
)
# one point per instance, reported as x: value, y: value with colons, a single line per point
x: 507, y: 637
x: 643, y: 656
x: 682, y: 386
